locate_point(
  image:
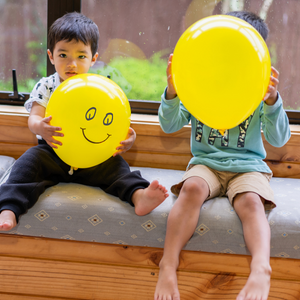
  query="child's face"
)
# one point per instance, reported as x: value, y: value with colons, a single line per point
x: 71, y: 58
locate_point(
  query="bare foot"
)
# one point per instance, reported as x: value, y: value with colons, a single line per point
x: 7, y: 220
x: 257, y: 286
x: 145, y: 200
x: 166, y: 287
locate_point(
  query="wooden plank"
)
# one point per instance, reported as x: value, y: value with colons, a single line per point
x: 288, y: 153
x: 60, y: 269
x: 13, y: 109
x: 8, y: 119
x: 13, y: 296
x: 132, y: 256
x: 154, y: 129
x: 13, y: 134
x: 156, y: 144
x: 157, y: 160
x: 88, y: 281
x: 285, y: 169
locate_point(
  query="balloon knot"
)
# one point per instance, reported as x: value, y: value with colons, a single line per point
x: 72, y: 169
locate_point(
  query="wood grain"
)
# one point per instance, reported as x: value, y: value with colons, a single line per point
x: 152, y: 148
x: 43, y: 268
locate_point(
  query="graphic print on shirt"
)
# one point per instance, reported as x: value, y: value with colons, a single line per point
x: 38, y: 85
x: 215, y: 134
x: 199, y: 131
x: 243, y: 127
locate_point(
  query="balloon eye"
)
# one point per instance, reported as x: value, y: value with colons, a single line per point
x: 108, y: 119
x: 91, y: 113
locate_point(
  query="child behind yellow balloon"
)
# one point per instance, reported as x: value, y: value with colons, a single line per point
x: 229, y: 165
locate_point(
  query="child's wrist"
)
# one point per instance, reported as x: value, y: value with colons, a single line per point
x: 170, y: 95
x: 272, y: 100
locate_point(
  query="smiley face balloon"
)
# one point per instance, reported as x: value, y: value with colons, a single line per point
x: 94, y: 115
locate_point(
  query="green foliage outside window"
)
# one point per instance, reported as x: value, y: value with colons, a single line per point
x: 139, y: 79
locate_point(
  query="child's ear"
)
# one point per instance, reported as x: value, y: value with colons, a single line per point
x: 50, y: 56
x: 94, y: 59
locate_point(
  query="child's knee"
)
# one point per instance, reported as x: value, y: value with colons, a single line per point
x: 195, y: 186
x: 249, y: 201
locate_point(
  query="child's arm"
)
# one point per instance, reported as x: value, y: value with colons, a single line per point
x: 172, y: 114
x: 275, y: 123
x: 170, y: 92
x: 272, y: 92
x: 127, y: 144
x: 40, y: 125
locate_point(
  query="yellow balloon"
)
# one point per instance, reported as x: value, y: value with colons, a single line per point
x: 221, y: 70
x: 94, y: 115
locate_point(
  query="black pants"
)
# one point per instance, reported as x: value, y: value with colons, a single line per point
x: 39, y: 168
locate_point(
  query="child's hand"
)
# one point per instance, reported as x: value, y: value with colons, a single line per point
x: 271, y: 95
x: 47, y: 132
x: 171, y: 92
x: 40, y: 125
x: 127, y: 144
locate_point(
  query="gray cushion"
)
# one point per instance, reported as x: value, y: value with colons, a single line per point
x: 6, y: 162
x: 77, y: 212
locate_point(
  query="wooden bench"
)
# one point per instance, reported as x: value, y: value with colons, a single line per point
x: 44, y: 268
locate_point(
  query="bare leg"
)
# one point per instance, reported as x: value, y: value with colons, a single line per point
x: 250, y: 209
x: 145, y: 200
x: 182, y: 221
x: 7, y: 220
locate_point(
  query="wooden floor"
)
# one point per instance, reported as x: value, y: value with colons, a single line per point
x: 41, y: 268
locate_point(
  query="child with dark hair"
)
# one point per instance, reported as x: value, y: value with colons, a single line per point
x: 73, y: 41
x: 231, y: 169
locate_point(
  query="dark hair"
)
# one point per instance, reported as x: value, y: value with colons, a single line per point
x: 74, y: 26
x: 254, y: 20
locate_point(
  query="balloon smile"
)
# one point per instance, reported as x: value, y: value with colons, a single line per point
x: 83, y: 129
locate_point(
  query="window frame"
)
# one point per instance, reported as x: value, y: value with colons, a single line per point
x: 56, y: 9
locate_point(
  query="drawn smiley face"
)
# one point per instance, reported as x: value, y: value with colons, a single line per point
x: 94, y: 115
x: 90, y: 115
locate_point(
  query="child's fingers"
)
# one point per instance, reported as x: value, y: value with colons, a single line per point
x: 274, y: 81
x: 169, y: 63
x: 271, y: 89
x: 130, y: 139
x: 55, y: 142
x: 57, y: 134
x: 118, y: 152
x: 47, y: 119
x: 54, y: 128
x: 123, y: 148
x: 275, y: 73
x: 53, y: 145
x: 131, y: 133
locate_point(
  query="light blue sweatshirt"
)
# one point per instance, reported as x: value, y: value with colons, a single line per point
x: 241, y: 148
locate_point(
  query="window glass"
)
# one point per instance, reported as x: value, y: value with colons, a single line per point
x: 136, y: 38
x: 23, y: 42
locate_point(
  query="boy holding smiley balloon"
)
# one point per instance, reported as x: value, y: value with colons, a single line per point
x: 73, y: 41
x: 228, y: 163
